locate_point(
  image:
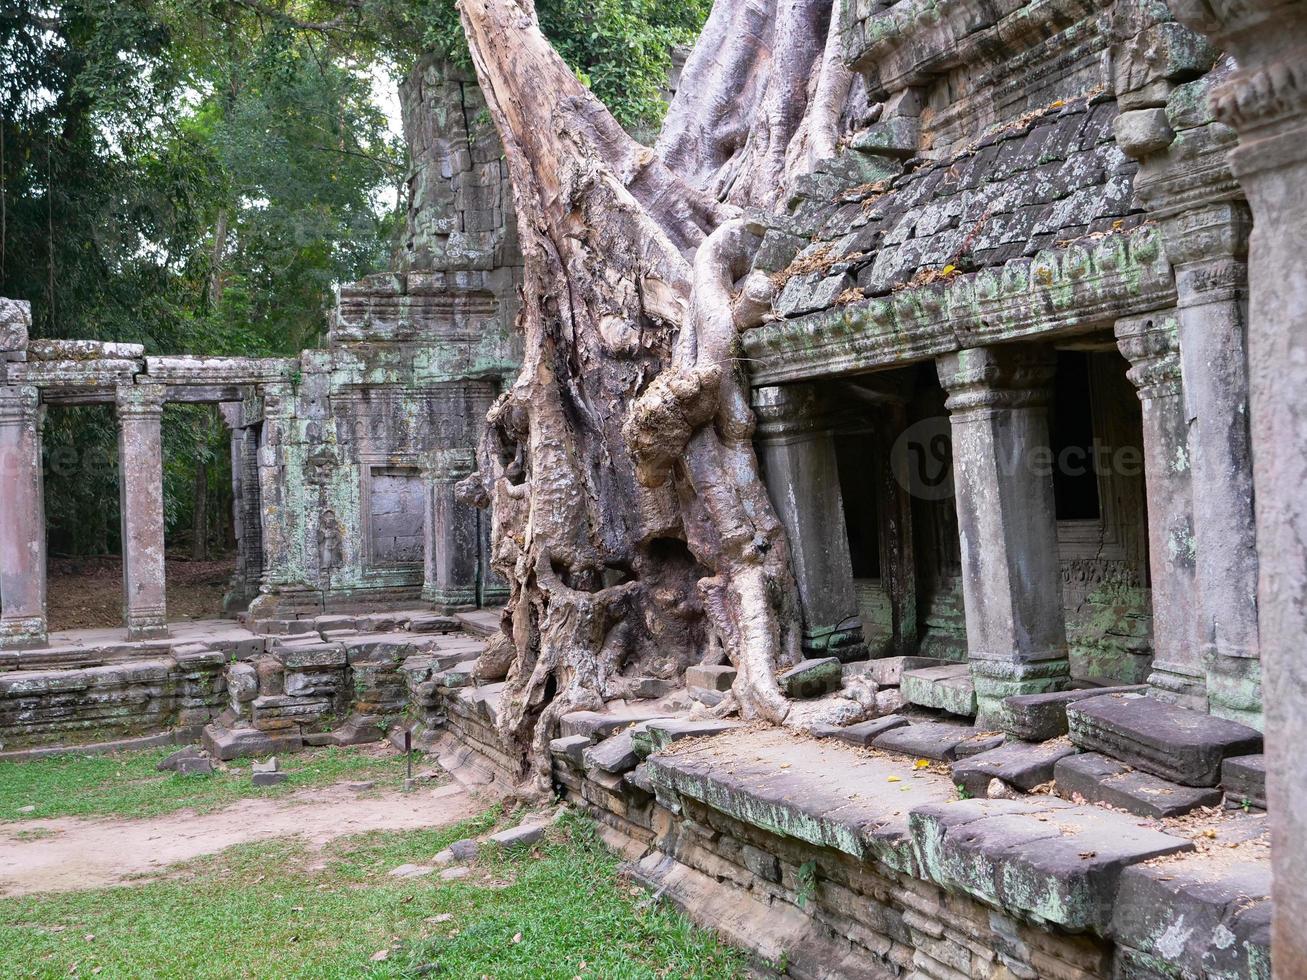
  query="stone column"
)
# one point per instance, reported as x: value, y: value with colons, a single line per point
x: 1265, y: 100
x: 22, y: 520
x: 451, y: 556
x: 279, y: 522
x: 1207, y: 246
x: 140, y: 479
x: 797, y: 452
x: 1151, y: 345
x: 1011, y: 578
x: 898, y: 557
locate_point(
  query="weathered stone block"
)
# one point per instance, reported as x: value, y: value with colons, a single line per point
x: 615, y: 755
x: 1021, y: 764
x: 1098, y: 779
x: 571, y: 749
x: 1175, y: 743
x: 1046, y: 858
x: 1186, y: 918
x: 227, y: 744
x: 654, y: 736
x: 888, y: 671
x: 523, y: 836
x: 1243, y: 778
x: 948, y: 688
x: 865, y: 732
x: 1039, y: 717
x: 812, y: 678
x: 712, y: 678
x: 928, y: 740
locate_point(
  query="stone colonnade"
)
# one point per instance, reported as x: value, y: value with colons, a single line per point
x: 1265, y: 101
x: 22, y: 517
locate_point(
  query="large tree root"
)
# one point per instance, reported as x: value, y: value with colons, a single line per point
x: 630, y: 519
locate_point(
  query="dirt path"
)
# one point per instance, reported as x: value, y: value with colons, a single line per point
x: 73, y: 854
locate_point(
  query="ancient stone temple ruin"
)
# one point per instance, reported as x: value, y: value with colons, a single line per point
x: 1030, y: 410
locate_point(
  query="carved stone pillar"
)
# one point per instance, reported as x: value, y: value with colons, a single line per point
x: 1265, y: 100
x: 1186, y: 184
x: 278, y: 520
x: 140, y: 479
x: 451, y: 556
x: 1003, y: 469
x: 797, y: 452
x: 1151, y: 345
x: 1207, y: 246
x: 22, y: 520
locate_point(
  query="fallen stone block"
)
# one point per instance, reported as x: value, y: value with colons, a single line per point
x: 948, y: 688
x: 1039, y: 717
x: 613, y: 755
x: 1021, y: 764
x: 1097, y: 778
x: 1243, y: 777
x: 232, y: 743
x: 706, y: 696
x: 523, y: 836
x: 265, y: 765
x: 712, y: 678
x: 268, y: 778
x: 865, y: 732
x: 174, y: 761
x: 888, y: 671
x: 411, y: 871
x: 1047, y: 858
x: 651, y: 688
x: 194, y: 766
x: 812, y: 678
x: 936, y: 740
x: 1175, y: 743
x: 464, y: 850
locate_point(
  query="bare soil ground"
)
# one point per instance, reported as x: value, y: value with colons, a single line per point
x: 86, y: 593
x: 72, y: 854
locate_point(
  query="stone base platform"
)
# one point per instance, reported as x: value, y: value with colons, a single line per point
x: 260, y: 686
x: 829, y: 860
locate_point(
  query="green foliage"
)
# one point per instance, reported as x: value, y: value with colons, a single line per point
x: 197, y: 175
x: 278, y: 909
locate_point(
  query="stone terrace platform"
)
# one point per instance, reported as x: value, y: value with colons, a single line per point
x: 846, y: 861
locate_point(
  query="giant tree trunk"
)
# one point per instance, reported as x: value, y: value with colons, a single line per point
x: 630, y: 518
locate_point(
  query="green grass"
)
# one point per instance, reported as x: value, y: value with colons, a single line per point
x: 127, y: 783
x: 275, y: 910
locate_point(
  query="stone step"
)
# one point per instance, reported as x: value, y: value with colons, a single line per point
x: 1041, y: 856
x: 1024, y: 765
x: 936, y: 740
x: 948, y: 688
x: 1243, y: 777
x: 1096, y: 778
x: 1039, y: 717
x: 1184, y: 746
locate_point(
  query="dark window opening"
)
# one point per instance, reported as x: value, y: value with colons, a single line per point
x: 855, y: 457
x: 1071, y: 436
